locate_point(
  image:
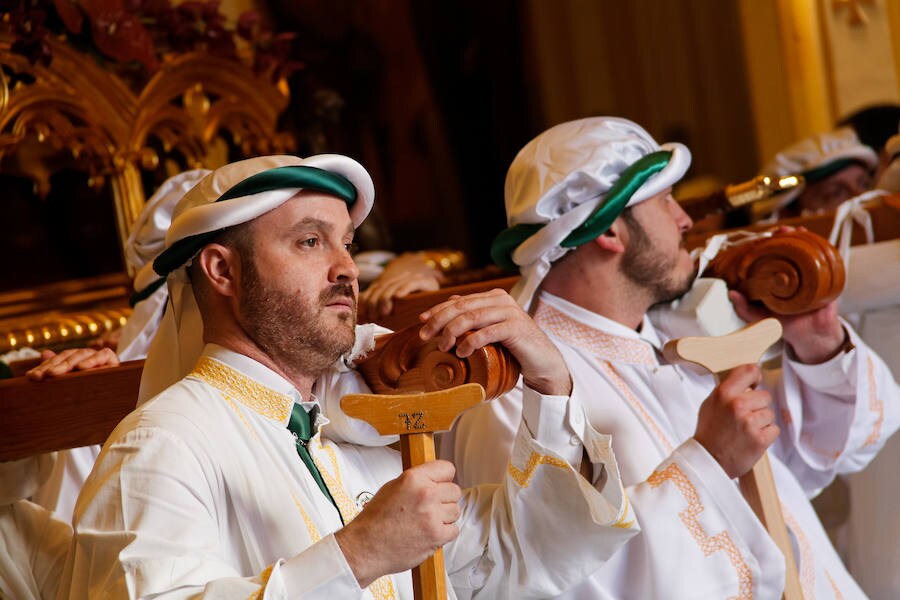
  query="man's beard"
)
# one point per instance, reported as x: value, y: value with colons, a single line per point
x: 646, y: 267
x: 292, y: 330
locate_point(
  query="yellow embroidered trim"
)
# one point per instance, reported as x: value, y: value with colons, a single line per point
x: 233, y: 404
x: 383, y: 587
x: 621, y: 523
x: 234, y: 387
x: 834, y: 588
x: 523, y: 477
x: 807, y: 439
x: 604, y: 345
x: 314, y: 535
x: 875, y: 405
x: 267, y: 572
x: 807, y: 564
x: 335, y: 483
x: 708, y: 544
x: 263, y: 400
x: 649, y: 421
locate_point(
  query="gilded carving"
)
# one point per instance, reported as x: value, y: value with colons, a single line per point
x: 183, y: 117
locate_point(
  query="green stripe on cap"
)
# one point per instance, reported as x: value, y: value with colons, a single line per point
x: 297, y: 176
x: 145, y: 293
x: 279, y: 178
x: 631, y: 179
x: 820, y: 173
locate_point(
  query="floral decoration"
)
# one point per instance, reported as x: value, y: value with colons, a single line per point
x: 137, y: 34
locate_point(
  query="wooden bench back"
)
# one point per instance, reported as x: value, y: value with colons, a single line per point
x: 82, y: 408
x: 885, y: 214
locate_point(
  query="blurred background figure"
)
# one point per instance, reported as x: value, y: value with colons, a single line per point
x: 835, y: 165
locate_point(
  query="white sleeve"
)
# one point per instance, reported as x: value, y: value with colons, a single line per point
x: 510, y: 544
x: 33, y: 550
x: 835, y: 416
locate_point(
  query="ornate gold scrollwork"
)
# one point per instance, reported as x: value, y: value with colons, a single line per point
x: 189, y: 108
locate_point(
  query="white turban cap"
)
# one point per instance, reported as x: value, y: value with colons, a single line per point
x: 236, y: 193
x: 146, y: 241
x: 568, y: 185
x: 818, y: 157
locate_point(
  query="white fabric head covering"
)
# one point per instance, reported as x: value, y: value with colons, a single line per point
x: 563, y: 174
x: 147, y: 240
x: 816, y: 152
x: 890, y: 178
x: 179, y: 340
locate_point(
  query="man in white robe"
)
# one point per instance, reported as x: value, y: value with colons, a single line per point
x: 145, y: 241
x: 597, y: 236
x: 201, y: 493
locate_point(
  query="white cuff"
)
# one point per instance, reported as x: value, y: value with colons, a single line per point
x: 320, y: 571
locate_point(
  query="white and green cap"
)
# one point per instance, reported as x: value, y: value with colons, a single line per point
x: 569, y: 184
x: 819, y: 156
x: 231, y: 195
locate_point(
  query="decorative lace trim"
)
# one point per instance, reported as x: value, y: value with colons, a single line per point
x: 621, y: 523
x: 875, y: 405
x: 834, y: 588
x: 237, y: 387
x: 604, y: 345
x: 314, y: 535
x: 807, y: 564
x: 258, y: 594
x: 708, y: 544
x: 249, y: 392
x: 523, y: 477
x: 383, y: 587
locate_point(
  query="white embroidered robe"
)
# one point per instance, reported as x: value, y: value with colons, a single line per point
x: 699, y: 537
x: 200, y: 493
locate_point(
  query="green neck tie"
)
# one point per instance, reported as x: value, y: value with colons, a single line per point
x: 300, y: 426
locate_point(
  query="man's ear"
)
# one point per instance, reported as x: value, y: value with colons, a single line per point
x: 615, y: 238
x: 220, y: 266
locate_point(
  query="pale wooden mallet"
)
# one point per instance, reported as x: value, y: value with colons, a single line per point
x: 719, y: 355
x: 415, y: 417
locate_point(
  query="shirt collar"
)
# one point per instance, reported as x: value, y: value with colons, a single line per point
x: 595, y: 333
x: 249, y: 382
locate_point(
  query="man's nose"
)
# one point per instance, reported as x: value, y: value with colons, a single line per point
x: 681, y: 218
x: 344, y: 267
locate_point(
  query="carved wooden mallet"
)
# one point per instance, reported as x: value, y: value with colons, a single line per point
x: 415, y: 417
x: 719, y: 355
x: 435, y: 388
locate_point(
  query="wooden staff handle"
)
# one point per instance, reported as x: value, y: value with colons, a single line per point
x: 429, y: 580
x: 415, y: 417
x: 719, y: 355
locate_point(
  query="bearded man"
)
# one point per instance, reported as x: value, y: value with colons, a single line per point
x: 598, y: 239
x: 232, y: 483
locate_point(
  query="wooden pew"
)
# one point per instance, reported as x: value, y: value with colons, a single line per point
x: 885, y: 213
x: 77, y: 409
x: 82, y: 408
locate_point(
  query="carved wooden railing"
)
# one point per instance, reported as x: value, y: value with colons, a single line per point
x: 80, y: 409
